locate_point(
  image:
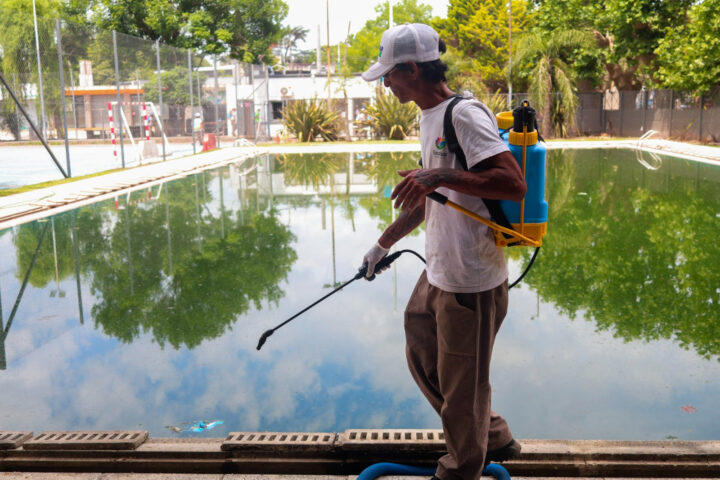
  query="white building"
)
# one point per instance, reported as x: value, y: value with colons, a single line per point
x: 260, y: 100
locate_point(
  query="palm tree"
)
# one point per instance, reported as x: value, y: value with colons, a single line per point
x: 551, y: 76
x: 290, y: 38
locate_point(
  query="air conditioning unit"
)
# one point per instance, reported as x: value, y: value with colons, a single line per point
x: 287, y: 92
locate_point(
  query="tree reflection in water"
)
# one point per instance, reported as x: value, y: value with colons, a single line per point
x: 634, y: 250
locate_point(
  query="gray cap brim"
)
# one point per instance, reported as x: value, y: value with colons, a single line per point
x: 376, y: 71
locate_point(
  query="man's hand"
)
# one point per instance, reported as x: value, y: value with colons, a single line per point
x: 411, y: 191
x: 372, y: 257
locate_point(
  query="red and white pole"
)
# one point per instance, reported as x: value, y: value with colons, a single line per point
x: 112, y: 128
x: 145, y: 122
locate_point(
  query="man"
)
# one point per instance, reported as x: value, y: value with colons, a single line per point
x: 233, y: 122
x: 460, y: 300
x: 197, y: 128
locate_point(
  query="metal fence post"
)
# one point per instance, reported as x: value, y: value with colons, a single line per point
x: 43, y: 127
x: 602, y: 112
x: 17, y: 115
x: 672, y: 105
x: 622, y: 111
x: 74, y: 104
x: 268, y: 106
x: 117, y: 96
x: 215, y: 101
x: 160, y: 100
x: 700, y: 125
x: 645, y: 102
x: 62, y: 96
x: 192, y: 106
x: 236, y: 106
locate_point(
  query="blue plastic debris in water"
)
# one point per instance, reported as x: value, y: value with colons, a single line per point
x: 196, y: 426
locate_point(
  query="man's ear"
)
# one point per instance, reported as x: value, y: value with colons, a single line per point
x: 414, y: 70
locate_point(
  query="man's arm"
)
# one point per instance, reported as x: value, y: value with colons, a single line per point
x: 498, y: 177
x: 407, y: 221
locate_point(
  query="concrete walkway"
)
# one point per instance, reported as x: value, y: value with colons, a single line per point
x: 35, y: 204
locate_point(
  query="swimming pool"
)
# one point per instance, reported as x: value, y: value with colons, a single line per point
x: 144, y: 311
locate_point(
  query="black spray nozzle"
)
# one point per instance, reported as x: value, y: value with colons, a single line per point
x: 524, y: 116
x: 264, y: 338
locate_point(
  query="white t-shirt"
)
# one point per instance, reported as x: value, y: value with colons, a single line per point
x: 461, y: 253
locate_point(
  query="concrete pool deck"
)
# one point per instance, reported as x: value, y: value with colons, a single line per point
x: 343, y: 458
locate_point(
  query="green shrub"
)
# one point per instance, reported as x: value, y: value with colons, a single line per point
x: 389, y: 118
x: 308, y: 119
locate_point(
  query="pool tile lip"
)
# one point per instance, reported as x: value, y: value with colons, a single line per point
x: 403, y: 439
x: 87, y: 440
x: 13, y: 439
x: 280, y: 441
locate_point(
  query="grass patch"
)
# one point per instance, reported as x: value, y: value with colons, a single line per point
x: 37, y: 186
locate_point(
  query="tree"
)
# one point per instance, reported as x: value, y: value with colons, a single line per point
x: 363, y: 50
x: 627, y: 33
x: 476, y: 33
x: 289, y: 41
x: 689, y: 56
x: 19, y: 56
x: 551, y: 80
x: 243, y: 28
x: 175, y: 90
x: 588, y: 63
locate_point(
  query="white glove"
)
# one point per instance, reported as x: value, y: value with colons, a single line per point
x: 372, y: 257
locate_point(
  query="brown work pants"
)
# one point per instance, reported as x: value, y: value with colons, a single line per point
x: 449, y: 339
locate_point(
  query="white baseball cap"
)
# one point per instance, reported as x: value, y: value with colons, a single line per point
x: 411, y: 42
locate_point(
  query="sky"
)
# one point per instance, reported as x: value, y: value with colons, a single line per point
x: 311, y: 13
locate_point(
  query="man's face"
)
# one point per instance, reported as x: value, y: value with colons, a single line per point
x: 400, y: 80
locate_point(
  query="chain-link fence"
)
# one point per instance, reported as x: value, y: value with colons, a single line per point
x: 633, y: 113
x: 670, y: 114
x: 92, y: 100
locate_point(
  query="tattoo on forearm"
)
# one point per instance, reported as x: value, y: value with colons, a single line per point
x: 436, y: 177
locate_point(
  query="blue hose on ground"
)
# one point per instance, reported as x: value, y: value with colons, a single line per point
x: 380, y: 469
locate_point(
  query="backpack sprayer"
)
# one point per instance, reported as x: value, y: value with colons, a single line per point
x: 513, y: 223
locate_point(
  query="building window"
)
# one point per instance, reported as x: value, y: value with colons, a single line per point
x: 277, y: 108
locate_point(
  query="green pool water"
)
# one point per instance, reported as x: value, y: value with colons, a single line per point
x: 144, y: 311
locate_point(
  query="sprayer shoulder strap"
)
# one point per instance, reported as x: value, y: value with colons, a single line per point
x: 493, y: 206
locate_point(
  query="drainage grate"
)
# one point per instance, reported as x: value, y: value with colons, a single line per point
x: 280, y: 441
x: 94, y: 440
x: 411, y: 439
x: 10, y: 440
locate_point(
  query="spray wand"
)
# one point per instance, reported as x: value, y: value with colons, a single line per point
x: 362, y: 271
